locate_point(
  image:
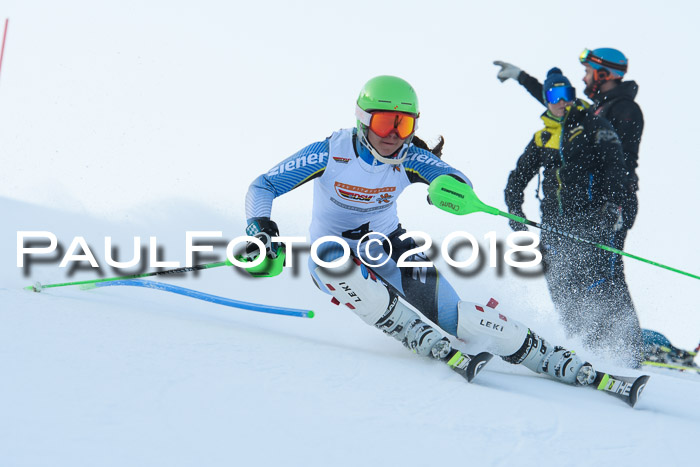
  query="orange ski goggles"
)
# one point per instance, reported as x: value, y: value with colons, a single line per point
x: 382, y: 122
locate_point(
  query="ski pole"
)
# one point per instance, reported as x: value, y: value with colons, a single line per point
x: 453, y: 196
x: 277, y: 310
x: 268, y: 268
x: 38, y: 287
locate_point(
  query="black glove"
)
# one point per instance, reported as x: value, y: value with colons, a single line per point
x: 612, y: 215
x: 263, y: 229
x: 515, y: 225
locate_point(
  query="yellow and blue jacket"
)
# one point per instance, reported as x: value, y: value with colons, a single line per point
x: 582, y: 161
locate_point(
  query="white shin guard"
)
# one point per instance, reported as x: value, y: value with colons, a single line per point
x: 504, y: 335
x: 368, y: 298
x: 357, y: 290
x: 516, y: 344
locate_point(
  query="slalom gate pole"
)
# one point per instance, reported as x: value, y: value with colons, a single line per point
x: 4, y: 36
x: 204, y: 296
x: 38, y: 287
x: 453, y: 196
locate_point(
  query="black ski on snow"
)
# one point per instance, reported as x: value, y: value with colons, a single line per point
x: 467, y: 365
x: 627, y: 388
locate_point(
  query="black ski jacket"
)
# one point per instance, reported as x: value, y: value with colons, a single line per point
x: 619, y: 108
x: 625, y: 115
x: 583, y: 167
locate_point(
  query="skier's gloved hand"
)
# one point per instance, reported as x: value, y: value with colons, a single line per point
x: 517, y: 226
x: 507, y: 71
x: 612, y: 214
x: 456, y: 177
x: 263, y: 229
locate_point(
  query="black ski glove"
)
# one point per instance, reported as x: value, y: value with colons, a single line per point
x: 263, y: 229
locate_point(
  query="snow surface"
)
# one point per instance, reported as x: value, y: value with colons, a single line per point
x: 148, y: 119
x: 127, y: 376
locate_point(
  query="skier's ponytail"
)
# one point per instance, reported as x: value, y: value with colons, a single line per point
x: 437, y: 149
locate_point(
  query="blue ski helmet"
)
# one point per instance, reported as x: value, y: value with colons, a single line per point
x: 611, y: 60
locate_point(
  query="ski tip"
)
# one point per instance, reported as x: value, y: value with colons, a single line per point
x: 637, y: 388
x: 484, y: 356
x: 627, y: 388
x: 476, y: 364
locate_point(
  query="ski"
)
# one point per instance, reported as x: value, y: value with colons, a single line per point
x: 627, y: 388
x: 672, y: 366
x: 468, y: 366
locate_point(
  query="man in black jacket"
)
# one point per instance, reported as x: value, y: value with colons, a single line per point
x: 613, y: 99
x: 585, y: 179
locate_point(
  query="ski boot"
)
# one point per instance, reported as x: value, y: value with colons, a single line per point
x: 554, y: 361
x: 363, y: 293
x: 516, y: 344
x: 378, y: 305
x: 404, y: 325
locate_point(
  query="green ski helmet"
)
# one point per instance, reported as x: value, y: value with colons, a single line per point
x: 389, y: 93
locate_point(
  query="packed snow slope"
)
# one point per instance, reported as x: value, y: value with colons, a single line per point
x: 126, y: 376
x: 150, y: 119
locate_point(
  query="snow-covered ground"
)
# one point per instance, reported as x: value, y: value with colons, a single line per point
x: 128, y: 376
x: 151, y: 118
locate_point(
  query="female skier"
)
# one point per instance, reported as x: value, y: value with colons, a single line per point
x: 358, y: 174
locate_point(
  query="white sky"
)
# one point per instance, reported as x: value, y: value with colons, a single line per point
x: 108, y: 106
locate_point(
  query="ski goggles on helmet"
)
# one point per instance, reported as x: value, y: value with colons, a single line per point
x: 382, y: 123
x: 584, y: 57
x: 557, y: 93
x: 587, y: 56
